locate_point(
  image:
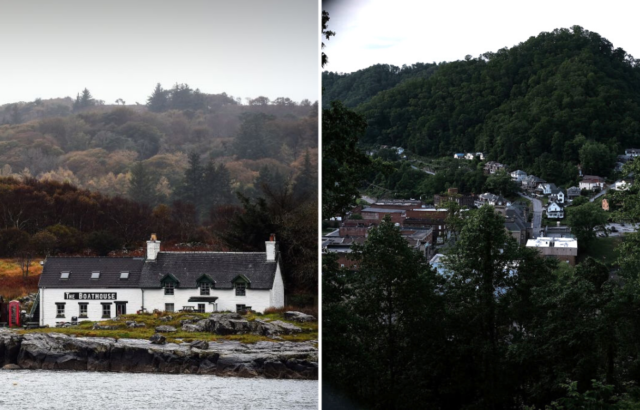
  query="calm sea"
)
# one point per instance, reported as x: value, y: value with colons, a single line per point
x: 42, y: 389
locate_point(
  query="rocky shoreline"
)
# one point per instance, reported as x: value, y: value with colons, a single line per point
x: 55, y: 351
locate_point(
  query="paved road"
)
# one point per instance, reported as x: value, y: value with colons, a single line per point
x: 536, y: 223
x: 604, y: 191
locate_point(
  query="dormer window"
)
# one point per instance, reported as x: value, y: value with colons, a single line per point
x: 169, y: 283
x: 64, y: 275
x: 205, y: 283
x: 124, y: 275
x: 95, y: 275
x: 241, y: 283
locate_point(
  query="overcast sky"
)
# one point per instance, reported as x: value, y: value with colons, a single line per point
x: 121, y: 49
x: 401, y: 32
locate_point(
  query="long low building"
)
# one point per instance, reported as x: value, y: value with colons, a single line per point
x: 563, y: 249
x: 99, y: 288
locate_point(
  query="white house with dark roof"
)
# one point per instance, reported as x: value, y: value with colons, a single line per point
x: 99, y: 288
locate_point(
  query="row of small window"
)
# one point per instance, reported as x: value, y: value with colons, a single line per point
x: 205, y: 289
x: 83, y: 308
x: 94, y: 275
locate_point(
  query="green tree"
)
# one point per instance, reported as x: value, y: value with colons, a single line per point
x: 343, y: 164
x: 585, y: 220
x: 254, y: 140
x: 103, y: 242
x: 158, y: 100
x: 306, y: 183
x: 376, y: 335
x: 502, y: 184
x: 142, y: 187
x: 596, y: 159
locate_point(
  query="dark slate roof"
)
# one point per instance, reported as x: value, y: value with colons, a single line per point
x: 222, y: 267
x: 80, y: 269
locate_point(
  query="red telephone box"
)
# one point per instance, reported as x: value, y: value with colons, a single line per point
x: 14, y: 313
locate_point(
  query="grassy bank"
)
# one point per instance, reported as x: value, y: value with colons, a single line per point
x: 12, y: 284
x: 309, y: 330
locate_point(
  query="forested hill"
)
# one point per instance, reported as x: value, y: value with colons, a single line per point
x: 359, y: 87
x: 534, y: 106
x: 97, y: 146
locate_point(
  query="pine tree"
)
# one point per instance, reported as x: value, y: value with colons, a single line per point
x: 306, y: 185
x: 158, y: 101
x: 191, y: 189
x: 142, y: 187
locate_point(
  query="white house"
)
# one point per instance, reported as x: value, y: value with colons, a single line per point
x: 621, y: 185
x: 555, y: 211
x: 98, y: 288
x: 557, y: 195
x: 469, y: 156
x: 480, y: 155
x: 590, y: 182
x: 547, y: 188
x: 459, y: 155
x: 490, y: 199
x: 518, y: 175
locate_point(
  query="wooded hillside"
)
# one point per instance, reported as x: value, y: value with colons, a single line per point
x: 533, y: 106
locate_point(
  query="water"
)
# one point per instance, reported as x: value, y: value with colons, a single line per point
x: 43, y: 389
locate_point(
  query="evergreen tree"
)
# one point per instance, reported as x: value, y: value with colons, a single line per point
x: 190, y: 191
x: 142, y: 187
x: 158, y: 100
x: 253, y: 140
x: 306, y: 185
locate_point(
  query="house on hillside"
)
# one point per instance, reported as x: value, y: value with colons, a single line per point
x: 469, y: 156
x: 557, y: 195
x: 621, y: 185
x: 98, y: 288
x: 492, y: 167
x: 459, y: 155
x: 480, y: 155
x: 546, y: 188
x: 555, y: 211
x: 531, y: 182
x: 518, y: 175
x: 490, y: 199
x: 573, y: 192
x: 632, y: 152
x: 591, y: 182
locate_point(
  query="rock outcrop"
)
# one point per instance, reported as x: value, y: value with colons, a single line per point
x: 54, y: 351
x: 298, y: 316
x: 234, y: 324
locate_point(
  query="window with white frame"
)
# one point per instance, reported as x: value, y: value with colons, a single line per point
x: 205, y: 288
x: 241, y: 289
x: 169, y: 288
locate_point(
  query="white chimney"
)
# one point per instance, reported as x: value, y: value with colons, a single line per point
x: 153, y: 248
x: 271, y: 248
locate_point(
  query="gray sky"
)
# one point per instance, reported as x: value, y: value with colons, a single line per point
x: 121, y: 49
x: 401, y: 32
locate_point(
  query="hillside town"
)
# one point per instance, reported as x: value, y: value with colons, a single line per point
x: 535, y: 219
